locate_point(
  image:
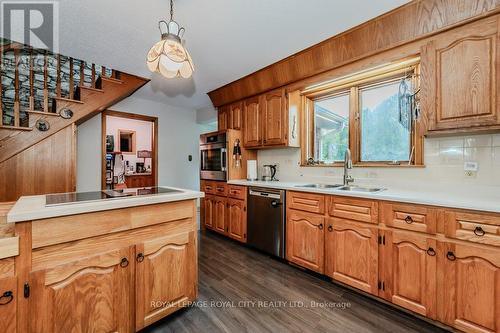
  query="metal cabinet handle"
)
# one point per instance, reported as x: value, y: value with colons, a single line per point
x: 6, y: 298
x: 451, y: 256
x: 320, y: 226
x: 124, y: 262
x: 431, y: 252
x: 479, y: 231
x: 408, y: 219
x: 140, y: 257
x: 330, y: 228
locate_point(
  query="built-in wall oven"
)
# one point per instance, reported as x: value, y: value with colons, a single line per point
x: 213, y: 156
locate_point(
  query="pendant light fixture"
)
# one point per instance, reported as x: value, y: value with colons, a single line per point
x: 169, y: 57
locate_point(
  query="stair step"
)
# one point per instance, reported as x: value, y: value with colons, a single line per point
x: 92, y: 89
x: 112, y: 79
x: 64, y: 99
x: 16, y: 128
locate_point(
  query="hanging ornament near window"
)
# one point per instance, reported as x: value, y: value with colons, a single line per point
x: 408, y: 101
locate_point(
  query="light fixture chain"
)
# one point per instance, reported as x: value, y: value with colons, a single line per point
x: 171, y: 10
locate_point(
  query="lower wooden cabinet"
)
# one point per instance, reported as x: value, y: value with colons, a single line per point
x: 209, y: 211
x: 220, y: 215
x: 8, y: 301
x: 237, y: 219
x: 409, y: 271
x: 161, y: 288
x: 469, y: 287
x: 351, y: 254
x: 88, y: 295
x: 305, y: 240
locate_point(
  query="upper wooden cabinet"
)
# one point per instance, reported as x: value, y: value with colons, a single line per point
x: 222, y: 118
x: 252, y: 127
x: 274, y: 118
x: 161, y: 288
x: 236, y: 116
x: 84, y: 295
x: 459, y: 78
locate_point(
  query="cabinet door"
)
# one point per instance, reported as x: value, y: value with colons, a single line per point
x: 352, y: 254
x: 209, y: 211
x: 222, y: 120
x: 460, y: 78
x: 305, y: 240
x: 252, y: 136
x: 275, y: 122
x: 87, y: 295
x: 237, y: 219
x: 166, y: 277
x: 8, y: 296
x: 220, y: 215
x: 469, y: 288
x: 409, y: 271
x: 235, y: 116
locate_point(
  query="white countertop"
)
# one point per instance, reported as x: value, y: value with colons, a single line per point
x: 29, y: 208
x: 486, y: 198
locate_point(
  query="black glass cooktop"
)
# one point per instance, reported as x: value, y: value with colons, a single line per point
x: 75, y: 197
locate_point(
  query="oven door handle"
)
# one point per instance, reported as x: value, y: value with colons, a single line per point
x: 223, y: 158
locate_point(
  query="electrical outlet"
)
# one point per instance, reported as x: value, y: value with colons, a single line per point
x: 470, y: 174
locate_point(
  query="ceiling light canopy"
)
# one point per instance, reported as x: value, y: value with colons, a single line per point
x: 169, y: 57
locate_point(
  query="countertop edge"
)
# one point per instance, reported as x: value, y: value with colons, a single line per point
x: 381, y: 196
x: 21, y: 214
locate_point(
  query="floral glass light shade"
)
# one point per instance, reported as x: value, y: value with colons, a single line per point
x: 169, y: 57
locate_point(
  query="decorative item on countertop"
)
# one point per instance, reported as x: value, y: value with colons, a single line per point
x: 237, y: 153
x: 169, y: 57
x: 42, y: 125
x: 252, y: 170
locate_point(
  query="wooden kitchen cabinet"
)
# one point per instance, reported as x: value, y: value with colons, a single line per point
x: 84, y: 295
x: 133, y: 181
x: 305, y: 240
x: 160, y: 288
x: 209, y: 211
x: 237, y: 219
x: 8, y: 301
x: 222, y: 118
x: 468, y: 287
x: 274, y: 118
x: 252, y: 123
x: 220, y: 215
x: 351, y: 254
x: 236, y: 116
x: 408, y: 272
x: 460, y: 78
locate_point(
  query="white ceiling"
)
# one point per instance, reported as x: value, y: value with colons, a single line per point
x: 227, y: 39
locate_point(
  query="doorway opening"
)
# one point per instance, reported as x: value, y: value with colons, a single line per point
x: 129, y: 150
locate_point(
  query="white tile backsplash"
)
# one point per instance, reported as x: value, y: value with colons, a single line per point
x: 444, y: 159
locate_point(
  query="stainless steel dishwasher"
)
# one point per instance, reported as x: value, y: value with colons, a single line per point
x: 266, y: 220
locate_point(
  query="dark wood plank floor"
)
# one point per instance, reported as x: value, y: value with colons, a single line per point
x: 232, y: 276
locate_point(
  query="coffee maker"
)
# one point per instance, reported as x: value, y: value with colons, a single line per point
x: 269, y: 173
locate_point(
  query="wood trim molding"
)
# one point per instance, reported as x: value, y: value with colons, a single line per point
x: 413, y: 21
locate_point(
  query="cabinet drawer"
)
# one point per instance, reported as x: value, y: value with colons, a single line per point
x: 221, y: 189
x: 353, y: 209
x: 473, y: 227
x: 237, y: 192
x: 208, y: 187
x: 409, y: 217
x: 308, y: 202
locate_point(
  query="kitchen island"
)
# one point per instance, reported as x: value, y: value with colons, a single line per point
x: 100, y: 261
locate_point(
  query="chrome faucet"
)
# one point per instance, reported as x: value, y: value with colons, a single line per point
x: 347, y: 166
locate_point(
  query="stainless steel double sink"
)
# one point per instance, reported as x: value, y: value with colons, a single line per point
x: 340, y: 187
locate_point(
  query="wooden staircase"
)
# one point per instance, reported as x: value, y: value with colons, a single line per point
x: 35, y: 87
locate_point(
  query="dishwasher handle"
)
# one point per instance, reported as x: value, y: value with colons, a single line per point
x: 265, y: 194
x: 276, y: 203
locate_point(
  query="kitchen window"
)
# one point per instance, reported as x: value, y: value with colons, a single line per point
x: 365, y: 113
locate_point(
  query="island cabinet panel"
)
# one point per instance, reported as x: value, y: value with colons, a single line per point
x: 8, y: 297
x: 408, y: 272
x: 220, y: 215
x: 351, y: 254
x: 252, y: 119
x: 166, y: 276
x: 85, y: 295
x: 209, y: 211
x: 460, y: 78
x: 275, y: 122
x: 237, y: 219
x: 305, y: 240
x: 469, y: 287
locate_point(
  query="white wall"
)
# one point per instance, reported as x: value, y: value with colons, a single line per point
x: 178, y: 137
x: 444, y: 160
